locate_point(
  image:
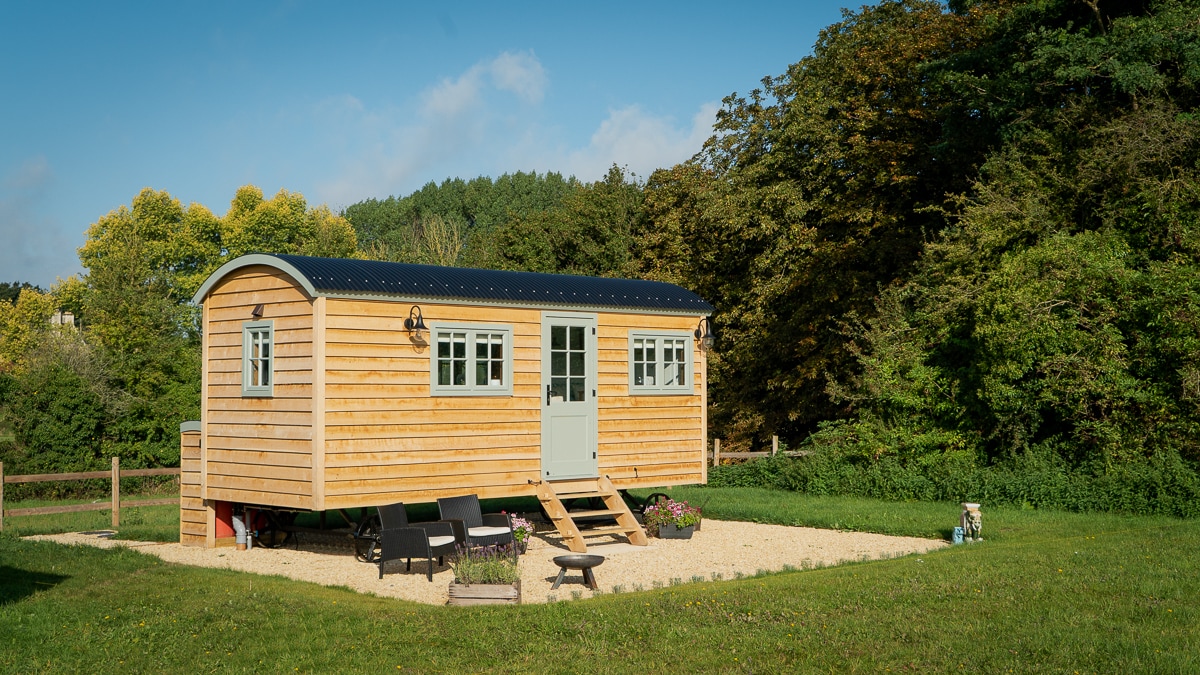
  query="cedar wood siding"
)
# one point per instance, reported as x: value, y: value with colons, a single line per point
x: 662, y: 437
x: 258, y: 450
x: 387, y: 439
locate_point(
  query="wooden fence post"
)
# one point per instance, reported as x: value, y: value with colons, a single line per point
x: 116, y: 492
x: 716, y: 452
x: 774, y: 445
x: 1, y: 496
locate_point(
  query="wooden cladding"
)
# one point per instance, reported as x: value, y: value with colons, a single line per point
x: 259, y: 449
x: 352, y: 421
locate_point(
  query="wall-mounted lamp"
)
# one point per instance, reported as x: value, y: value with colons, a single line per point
x: 257, y: 312
x: 415, y: 323
x: 704, y: 333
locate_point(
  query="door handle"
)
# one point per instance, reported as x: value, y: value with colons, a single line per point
x: 547, y: 394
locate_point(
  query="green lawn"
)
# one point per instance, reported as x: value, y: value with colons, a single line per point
x: 1047, y: 592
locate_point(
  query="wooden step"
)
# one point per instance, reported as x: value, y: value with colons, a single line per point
x: 588, y: 488
x: 581, y: 495
x: 611, y: 513
x: 602, y: 531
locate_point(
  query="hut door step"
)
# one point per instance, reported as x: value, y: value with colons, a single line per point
x: 552, y: 494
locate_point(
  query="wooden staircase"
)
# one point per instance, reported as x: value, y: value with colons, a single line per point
x: 551, y: 494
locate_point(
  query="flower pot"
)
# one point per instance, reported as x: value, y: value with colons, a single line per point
x: 484, y: 594
x: 675, y: 532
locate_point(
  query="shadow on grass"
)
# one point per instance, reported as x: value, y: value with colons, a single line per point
x: 20, y: 584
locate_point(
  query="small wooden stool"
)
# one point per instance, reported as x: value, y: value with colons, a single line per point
x: 578, y: 562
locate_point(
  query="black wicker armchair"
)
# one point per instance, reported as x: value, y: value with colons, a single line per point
x: 471, y: 524
x: 400, y: 540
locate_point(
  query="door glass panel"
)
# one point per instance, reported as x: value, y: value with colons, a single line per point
x: 558, y: 364
x: 577, y: 387
x: 558, y: 387
x: 576, y: 338
x: 577, y: 364
x: 558, y: 337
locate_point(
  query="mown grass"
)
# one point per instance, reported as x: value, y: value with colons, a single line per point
x: 1047, y: 592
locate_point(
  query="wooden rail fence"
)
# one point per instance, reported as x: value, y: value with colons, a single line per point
x: 115, y: 475
x: 717, y: 455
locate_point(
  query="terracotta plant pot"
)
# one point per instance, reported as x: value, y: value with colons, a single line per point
x: 484, y: 594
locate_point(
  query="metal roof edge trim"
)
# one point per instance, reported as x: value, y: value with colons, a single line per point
x: 270, y: 260
x: 416, y: 299
x: 247, y: 261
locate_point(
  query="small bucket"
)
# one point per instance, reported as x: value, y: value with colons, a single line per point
x: 957, y: 537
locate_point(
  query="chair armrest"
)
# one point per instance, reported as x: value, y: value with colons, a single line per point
x: 497, y: 520
x: 438, y: 528
x: 459, y: 528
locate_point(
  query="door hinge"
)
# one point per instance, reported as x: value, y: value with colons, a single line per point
x: 593, y: 455
x: 593, y: 330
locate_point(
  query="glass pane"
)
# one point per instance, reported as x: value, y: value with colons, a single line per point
x: 497, y: 347
x: 639, y: 350
x: 577, y: 363
x: 460, y: 346
x: 558, y: 363
x: 639, y: 374
x: 558, y: 337
x: 460, y: 372
x: 266, y: 346
x: 443, y: 346
x: 266, y: 374
x: 650, y: 375
x: 497, y: 374
x: 481, y: 373
x: 443, y: 372
x: 254, y: 376
x: 650, y: 345
x: 576, y: 338
x: 669, y: 371
x: 558, y: 387
x: 577, y: 384
x: 481, y: 347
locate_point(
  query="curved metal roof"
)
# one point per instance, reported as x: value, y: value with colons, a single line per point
x: 340, y: 277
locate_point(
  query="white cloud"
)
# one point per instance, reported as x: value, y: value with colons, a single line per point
x: 630, y: 137
x: 489, y: 120
x: 522, y: 74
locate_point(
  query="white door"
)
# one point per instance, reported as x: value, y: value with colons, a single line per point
x: 569, y: 408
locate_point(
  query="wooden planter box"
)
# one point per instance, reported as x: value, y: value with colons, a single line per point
x: 484, y: 594
x: 675, y: 532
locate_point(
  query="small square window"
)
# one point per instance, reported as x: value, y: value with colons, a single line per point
x: 659, y: 363
x: 471, y: 360
x: 258, y: 358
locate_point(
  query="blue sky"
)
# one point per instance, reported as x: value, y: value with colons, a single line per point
x: 346, y: 101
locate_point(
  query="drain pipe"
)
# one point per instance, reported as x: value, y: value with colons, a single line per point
x: 239, y: 528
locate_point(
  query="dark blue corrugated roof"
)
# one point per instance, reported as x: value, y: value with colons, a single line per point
x: 339, y: 276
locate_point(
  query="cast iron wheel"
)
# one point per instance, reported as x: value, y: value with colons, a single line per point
x: 275, y: 532
x: 366, y: 540
x: 654, y: 499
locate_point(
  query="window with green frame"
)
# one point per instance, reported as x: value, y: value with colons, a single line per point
x: 258, y: 358
x: 660, y: 363
x: 471, y: 360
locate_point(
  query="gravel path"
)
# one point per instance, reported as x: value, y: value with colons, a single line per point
x: 721, y: 550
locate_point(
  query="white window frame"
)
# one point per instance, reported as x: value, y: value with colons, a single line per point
x: 472, y: 332
x: 659, y: 389
x: 249, y: 329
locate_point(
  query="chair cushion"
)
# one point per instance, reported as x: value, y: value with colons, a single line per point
x: 435, y: 542
x: 487, y: 531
